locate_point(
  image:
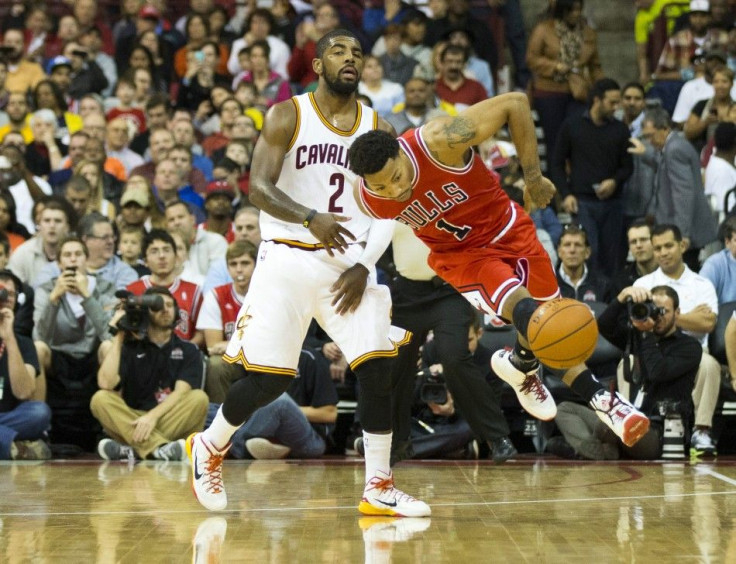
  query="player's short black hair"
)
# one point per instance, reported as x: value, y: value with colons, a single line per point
x: 324, y: 41
x: 370, y: 152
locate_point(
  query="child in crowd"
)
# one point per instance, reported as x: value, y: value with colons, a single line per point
x: 129, y: 249
x: 125, y: 93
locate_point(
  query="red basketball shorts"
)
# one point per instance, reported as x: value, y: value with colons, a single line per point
x: 485, y: 276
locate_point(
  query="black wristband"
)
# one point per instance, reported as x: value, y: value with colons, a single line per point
x: 309, y: 218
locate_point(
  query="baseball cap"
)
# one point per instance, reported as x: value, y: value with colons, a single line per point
x: 58, y: 61
x: 149, y: 12
x: 137, y: 196
x: 219, y: 187
x: 699, y: 6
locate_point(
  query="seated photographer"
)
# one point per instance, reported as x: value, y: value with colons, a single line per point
x: 149, y: 398
x: 22, y: 420
x: 661, y: 381
x: 71, y: 312
x: 159, y: 253
x: 297, y: 424
x: 698, y: 316
x: 219, y: 314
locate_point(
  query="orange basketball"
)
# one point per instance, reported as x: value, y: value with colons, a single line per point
x: 563, y: 333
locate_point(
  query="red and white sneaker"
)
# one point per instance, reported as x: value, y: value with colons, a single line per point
x: 380, y: 497
x: 533, y: 395
x: 207, y: 472
x: 624, y: 419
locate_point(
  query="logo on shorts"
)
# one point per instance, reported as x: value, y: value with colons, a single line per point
x: 242, y: 322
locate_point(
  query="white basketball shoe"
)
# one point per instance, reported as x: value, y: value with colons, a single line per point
x: 380, y: 497
x: 207, y: 472
x: 624, y: 419
x: 533, y: 395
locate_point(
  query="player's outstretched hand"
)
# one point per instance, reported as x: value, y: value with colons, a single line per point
x: 538, y: 192
x: 327, y: 229
x: 349, y: 288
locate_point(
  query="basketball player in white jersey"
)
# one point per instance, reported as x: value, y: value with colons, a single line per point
x: 316, y: 260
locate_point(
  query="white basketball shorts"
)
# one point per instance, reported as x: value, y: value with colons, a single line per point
x: 290, y: 286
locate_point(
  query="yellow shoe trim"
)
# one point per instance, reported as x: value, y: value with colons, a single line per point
x: 367, y: 509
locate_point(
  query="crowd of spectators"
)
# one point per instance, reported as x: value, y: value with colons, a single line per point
x: 126, y: 136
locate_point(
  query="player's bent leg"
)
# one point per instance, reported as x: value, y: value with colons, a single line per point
x: 519, y: 367
x: 207, y: 450
x: 612, y: 408
x: 380, y: 496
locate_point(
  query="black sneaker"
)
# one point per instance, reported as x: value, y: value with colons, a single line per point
x: 502, y: 449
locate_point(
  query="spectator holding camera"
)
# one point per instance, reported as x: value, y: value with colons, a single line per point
x: 71, y: 313
x: 23, y: 421
x: 707, y: 114
x: 149, y: 398
x: 666, y: 360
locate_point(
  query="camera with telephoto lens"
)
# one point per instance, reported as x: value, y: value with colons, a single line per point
x: 644, y: 310
x: 136, y: 309
x: 432, y: 388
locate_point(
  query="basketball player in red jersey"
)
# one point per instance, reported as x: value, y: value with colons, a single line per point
x: 481, y: 242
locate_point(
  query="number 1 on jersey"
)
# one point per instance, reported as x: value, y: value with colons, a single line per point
x: 337, y: 180
x: 459, y: 232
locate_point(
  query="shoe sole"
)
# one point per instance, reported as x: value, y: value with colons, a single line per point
x: 263, y: 449
x: 366, y: 508
x: 635, y: 427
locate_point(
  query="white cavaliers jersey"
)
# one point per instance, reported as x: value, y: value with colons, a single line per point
x: 315, y: 172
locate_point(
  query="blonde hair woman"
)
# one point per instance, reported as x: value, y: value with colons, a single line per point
x: 93, y: 172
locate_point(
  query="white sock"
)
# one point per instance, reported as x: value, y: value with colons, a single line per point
x: 377, y: 454
x: 218, y: 434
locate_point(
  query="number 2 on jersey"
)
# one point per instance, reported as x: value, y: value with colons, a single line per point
x: 459, y: 232
x: 338, y: 181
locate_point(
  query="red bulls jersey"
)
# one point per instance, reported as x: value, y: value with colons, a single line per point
x: 450, y: 208
x: 230, y: 305
x: 188, y: 297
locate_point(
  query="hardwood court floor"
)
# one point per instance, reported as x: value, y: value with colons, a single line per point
x: 531, y: 510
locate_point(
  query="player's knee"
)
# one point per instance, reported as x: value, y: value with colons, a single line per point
x: 522, y: 314
x: 375, y: 377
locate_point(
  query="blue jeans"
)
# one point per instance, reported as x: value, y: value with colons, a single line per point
x: 280, y: 421
x: 27, y: 422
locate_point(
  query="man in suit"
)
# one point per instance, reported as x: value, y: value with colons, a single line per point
x: 679, y: 196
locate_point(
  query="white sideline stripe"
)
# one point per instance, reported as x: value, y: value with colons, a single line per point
x: 354, y: 506
x: 716, y: 475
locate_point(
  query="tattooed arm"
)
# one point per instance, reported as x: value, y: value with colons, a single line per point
x: 450, y: 139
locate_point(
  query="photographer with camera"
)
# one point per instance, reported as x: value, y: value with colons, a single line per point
x: 438, y: 429
x: 698, y: 316
x: 149, y: 398
x: 666, y: 360
x: 71, y: 312
x: 661, y: 377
